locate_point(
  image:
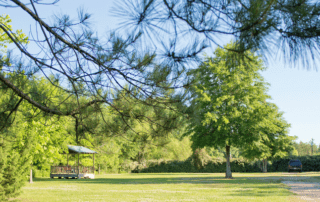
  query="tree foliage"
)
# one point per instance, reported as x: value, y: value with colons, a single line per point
x: 88, y: 67
x: 274, y: 142
x: 291, y: 26
x: 304, y: 148
x: 228, y: 103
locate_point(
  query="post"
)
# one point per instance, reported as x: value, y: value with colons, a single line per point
x: 99, y: 169
x: 78, y: 167
x: 30, y: 176
x: 67, y: 159
x: 93, y: 163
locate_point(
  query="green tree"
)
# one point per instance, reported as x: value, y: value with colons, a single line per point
x: 274, y: 140
x: 90, y: 68
x: 70, y: 47
x: 14, y: 156
x: 305, y: 148
x: 88, y: 71
x: 145, y: 127
x: 227, y: 103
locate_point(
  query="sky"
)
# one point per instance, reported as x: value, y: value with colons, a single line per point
x: 295, y: 90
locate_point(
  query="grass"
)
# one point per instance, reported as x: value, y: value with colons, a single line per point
x: 167, y: 187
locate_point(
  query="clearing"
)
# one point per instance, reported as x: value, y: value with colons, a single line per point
x: 174, y: 187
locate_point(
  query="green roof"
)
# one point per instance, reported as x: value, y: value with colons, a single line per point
x: 80, y: 150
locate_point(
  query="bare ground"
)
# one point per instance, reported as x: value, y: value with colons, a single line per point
x: 307, y: 191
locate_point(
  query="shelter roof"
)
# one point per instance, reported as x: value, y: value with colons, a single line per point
x: 80, y: 150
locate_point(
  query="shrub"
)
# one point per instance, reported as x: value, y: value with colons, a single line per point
x: 191, y: 166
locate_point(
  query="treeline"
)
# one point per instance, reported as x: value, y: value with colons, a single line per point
x: 191, y: 165
x: 122, y: 140
x: 306, y: 148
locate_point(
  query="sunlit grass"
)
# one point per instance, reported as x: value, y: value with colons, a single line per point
x: 167, y: 187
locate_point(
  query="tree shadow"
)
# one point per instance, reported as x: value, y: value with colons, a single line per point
x: 174, y: 179
x: 249, y: 186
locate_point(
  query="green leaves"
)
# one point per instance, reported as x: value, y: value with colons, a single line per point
x: 4, y: 38
x: 228, y: 107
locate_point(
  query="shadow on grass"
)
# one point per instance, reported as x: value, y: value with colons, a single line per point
x: 170, y: 180
x: 240, y: 186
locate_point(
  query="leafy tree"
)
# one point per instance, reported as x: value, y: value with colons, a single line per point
x: 14, y: 156
x: 90, y: 68
x: 219, y: 152
x: 274, y: 141
x: 76, y: 56
x: 304, y: 148
x: 87, y: 72
x: 142, y: 127
x: 227, y: 102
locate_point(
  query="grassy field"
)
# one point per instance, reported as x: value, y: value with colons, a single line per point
x: 167, y: 187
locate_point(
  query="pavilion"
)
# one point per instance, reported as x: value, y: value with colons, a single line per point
x: 74, y: 171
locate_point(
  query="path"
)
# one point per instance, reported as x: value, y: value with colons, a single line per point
x: 307, y: 191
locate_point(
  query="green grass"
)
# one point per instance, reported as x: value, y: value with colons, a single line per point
x: 166, y: 187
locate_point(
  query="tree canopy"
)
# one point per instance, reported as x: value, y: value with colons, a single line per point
x: 228, y: 102
x: 266, y: 26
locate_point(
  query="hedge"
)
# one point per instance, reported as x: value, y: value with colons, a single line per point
x: 309, y: 163
x: 212, y: 166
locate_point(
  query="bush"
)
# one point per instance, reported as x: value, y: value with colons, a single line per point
x: 194, y: 164
x: 191, y: 166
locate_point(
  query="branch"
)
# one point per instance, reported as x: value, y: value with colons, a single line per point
x: 26, y: 97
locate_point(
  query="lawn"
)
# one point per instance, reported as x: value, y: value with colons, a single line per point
x: 166, y: 187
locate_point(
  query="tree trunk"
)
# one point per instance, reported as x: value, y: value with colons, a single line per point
x: 264, y: 165
x: 228, y: 171
x: 77, y: 131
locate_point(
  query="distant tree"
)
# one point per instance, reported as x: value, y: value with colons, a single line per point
x: 227, y: 102
x: 274, y: 140
x: 302, y: 148
x: 143, y: 127
x: 312, y: 145
x: 305, y: 148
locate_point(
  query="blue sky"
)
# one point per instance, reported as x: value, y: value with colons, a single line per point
x: 296, y: 91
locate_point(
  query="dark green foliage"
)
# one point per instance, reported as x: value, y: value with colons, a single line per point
x: 188, y: 166
x: 200, y: 158
x: 14, y: 166
x: 309, y: 164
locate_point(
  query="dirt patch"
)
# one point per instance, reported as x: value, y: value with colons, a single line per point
x: 307, y: 191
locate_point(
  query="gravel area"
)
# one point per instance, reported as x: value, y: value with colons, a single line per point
x: 307, y: 191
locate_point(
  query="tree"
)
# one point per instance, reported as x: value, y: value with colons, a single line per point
x: 14, y: 156
x: 145, y: 127
x: 274, y: 140
x: 88, y: 71
x: 76, y: 56
x: 305, y: 148
x: 312, y: 145
x: 228, y: 99
x: 260, y: 25
x: 72, y: 55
